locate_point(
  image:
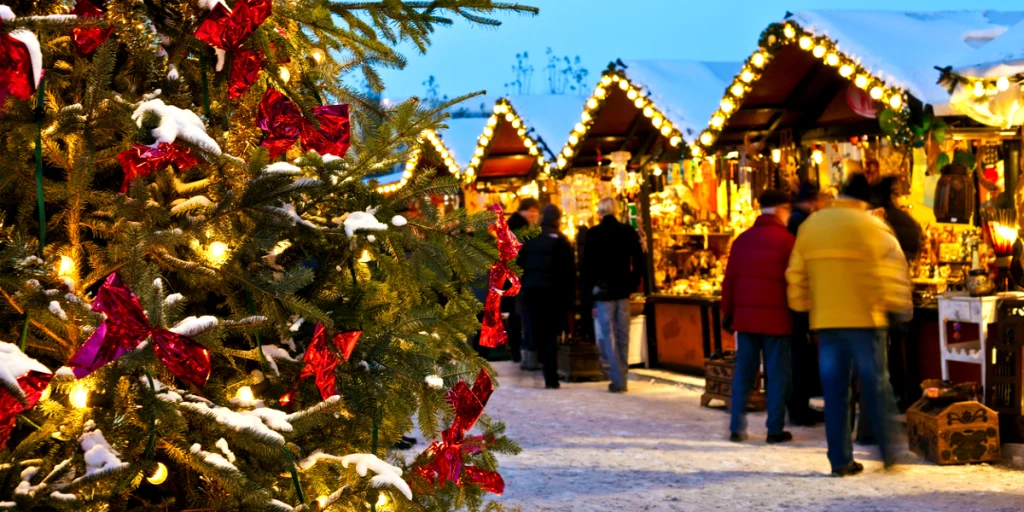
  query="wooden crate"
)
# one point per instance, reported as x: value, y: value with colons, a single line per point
x: 957, y: 433
x: 579, y: 361
x: 1004, y: 370
x: 718, y: 385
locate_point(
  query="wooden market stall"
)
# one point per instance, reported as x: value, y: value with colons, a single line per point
x: 513, y: 155
x: 631, y: 143
x: 431, y: 154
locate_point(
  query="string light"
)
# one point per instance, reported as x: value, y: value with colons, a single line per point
x: 757, y: 59
x: 317, y: 55
x: 79, y: 396
x: 979, y: 89
x: 832, y: 59
x: 818, y: 52
x: 244, y: 395
x: 845, y: 71
x: 382, y: 500
x: 66, y: 267
x: 805, y: 43
x: 817, y: 156
x: 503, y: 107
x: 217, y: 253
x: 1003, y: 83
x: 737, y: 90
x: 592, y: 103
x: 284, y: 74
x: 159, y: 476
x: 789, y: 31
x: 861, y: 81
x: 747, y: 76
x: 776, y: 155
x: 896, y: 101
x: 876, y: 93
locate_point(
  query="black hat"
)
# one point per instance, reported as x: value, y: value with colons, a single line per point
x: 808, y: 191
x: 771, y: 198
x: 857, y: 187
x: 550, y: 216
x: 529, y: 203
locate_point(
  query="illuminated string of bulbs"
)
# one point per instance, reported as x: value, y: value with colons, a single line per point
x: 596, y: 102
x: 980, y: 87
x: 504, y: 109
x: 774, y: 38
x: 414, y: 160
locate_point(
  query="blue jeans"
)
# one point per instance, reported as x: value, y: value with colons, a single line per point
x: 611, y: 328
x: 839, y: 352
x: 777, y: 369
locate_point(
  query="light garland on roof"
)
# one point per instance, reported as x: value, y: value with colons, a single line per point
x: 773, y: 39
x: 414, y: 160
x: 596, y: 101
x: 503, y: 111
x: 980, y: 87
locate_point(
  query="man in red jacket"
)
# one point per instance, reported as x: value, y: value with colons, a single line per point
x: 755, y: 307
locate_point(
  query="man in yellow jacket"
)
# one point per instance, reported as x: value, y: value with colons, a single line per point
x: 848, y: 271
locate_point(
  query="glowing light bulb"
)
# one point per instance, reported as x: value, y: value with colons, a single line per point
x: 727, y: 105
x: 322, y: 501
x: 896, y: 101
x: 832, y: 59
x: 675, y: 140
x: 861, y: 81
x: 805, y: 43
x: 623, y: 84
x: 579, y: 128
x: 492, y: 121
x: 657, y: 171
x: 695, y: 151
x: 1003, y: 83
x: 284, y: 74
x: 244, y: 394
x: 592, y: 103
x: 817, y: 156
x: 573, y: 139
x: 454, y: 169
x: 159, y: 476
x: 79, y: 396
x: 479, y: 151
x: 382, y: 500
x: 639, y: 103
x: 631, y: 94
x: 776, y: 155
x: 521, y: 132
x: 648, y: 111
x: 483, y: 140
x: 706, y: 138
x: 504, y: 108
x: 66, y: 267
x: 561, y: 162
x: 605, y: 80
x: 516, y: 123
x: 497, y: 108
x: 717, y: 121
x: 818, y: 52
x: 509, y: 117
x: 600, y: 92
x: 488, y: 131
x: 567, y: 152
x: 757, y: 59
x: 406, y: 175
x: 317, y: 55
x: 789, y: 31
x: 846, y: 70
x: 534, y: 151
x: 365, y: 257
x: 747, y: 76
x: 657, y: 120
x: 585, y: 117
x: 666, y: 129
x: 217, y: 253
x: 876, y: 93
x: 737, y: 90
x: 979, y: 89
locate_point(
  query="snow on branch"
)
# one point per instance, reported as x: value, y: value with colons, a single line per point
x: 296, y: 417
x: 266, y: 424
x: 387, y: 475
x: 281, y: 168
x: 191, y: 203
x: 174, y: 123
x: 365, y: 221
x: 214, y: 459
x: 13, y: 364
x: 99, y: 456
x: 272, y: 353
x: 192, y: 325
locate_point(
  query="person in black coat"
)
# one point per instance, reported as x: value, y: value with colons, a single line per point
x: 803, y: 352
x: 548, y: 289
x: 529, y: 210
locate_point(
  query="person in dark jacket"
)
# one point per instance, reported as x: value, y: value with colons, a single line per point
x: 613, y: 266
x: 803, y: 351
x: 755, y: 307
x: 518, y: 344
x: 548, y: 289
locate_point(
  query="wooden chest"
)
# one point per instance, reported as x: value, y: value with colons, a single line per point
x: 718, y: 385
x: 579, y: 361
x: 957, y: 433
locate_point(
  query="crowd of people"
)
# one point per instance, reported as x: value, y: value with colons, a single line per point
x: 838, y: 272
x: 612, y: 266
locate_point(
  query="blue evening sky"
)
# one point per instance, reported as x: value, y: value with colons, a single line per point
x: 466, y: 58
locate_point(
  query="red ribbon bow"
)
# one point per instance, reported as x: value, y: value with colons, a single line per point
x: 320, y: 361
x: 284, y: 124
x: 19, y: 75
x: 492, y: 333
x: 446, y: 456
x: 140, y: 161
x: 125, y: 327
x: 227, y: 29
x: 88, y: 39
x: 32, y: 384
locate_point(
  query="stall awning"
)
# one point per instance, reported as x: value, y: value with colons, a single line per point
x: 986, y: 84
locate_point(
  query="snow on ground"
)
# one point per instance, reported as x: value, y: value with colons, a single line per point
x: 654, y: 448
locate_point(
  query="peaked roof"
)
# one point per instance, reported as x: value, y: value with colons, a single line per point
x: 460, y: 138
x: 550, y: 116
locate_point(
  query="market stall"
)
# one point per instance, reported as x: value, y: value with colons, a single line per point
x: 430, y: 155
x: 630, y: 143
x: 513, y: 155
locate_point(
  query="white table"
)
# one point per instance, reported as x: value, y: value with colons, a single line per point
x: 966, y: 310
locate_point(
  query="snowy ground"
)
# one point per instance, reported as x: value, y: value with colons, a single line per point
x: 654, y: 448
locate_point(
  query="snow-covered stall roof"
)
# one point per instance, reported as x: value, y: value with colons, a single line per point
x: 903, y: 48
x: 686, y: 91
x: 460, y: 138
x: 550, y: 116
x: 1004, y: 56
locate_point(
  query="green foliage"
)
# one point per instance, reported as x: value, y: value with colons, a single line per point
x: 285, y: 257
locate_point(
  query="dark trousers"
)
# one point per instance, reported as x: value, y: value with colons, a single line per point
x: 804, y: 363
x: 776, y: 365
x: 840, y: 351
x: 514, y: 328
x: 898, y: 333
x: 547, y: 316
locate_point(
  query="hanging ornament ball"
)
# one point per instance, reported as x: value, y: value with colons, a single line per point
x: 159, y: 476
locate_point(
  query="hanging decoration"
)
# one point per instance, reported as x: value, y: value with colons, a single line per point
x: 125, y: 327
x: 284, y: 124
x: 21, y: 64
x: 22, y: 380
x: 88, y: 39
x: 503, y: 112
x: 995, y: 102
x: 442, y: 461
x: 320, y: 360
x: 492, y: 333
x: 141, y: 160
x: 226, y: 29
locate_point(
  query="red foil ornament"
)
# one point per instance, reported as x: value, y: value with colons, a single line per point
x: 125, y: 327
x: 320, y: 361
x: 141, y: 161
x: 18, y: 76
x: 88, y: 39
x: 443, y: 460
x: 32, y: 383
x: 245, y: 69
x: 284, y: 124
x: 492, y: 332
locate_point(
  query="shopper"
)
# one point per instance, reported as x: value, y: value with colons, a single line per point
x: 754, y: 306
x: 847, y: 269
x: 613, y: 267
x: 518, y: 343
x: 548, y: 289
x: 803, y: 350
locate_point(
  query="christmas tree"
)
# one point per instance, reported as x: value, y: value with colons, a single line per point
x: 206, y: 304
